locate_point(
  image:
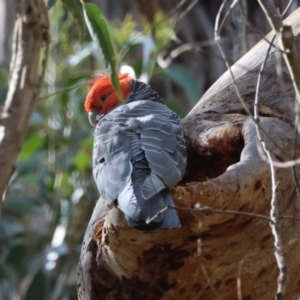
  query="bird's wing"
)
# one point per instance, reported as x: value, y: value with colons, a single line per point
x: 162, y: 140
x: 111, y: 159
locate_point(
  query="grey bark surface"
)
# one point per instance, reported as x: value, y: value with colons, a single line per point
x: 226, y: 172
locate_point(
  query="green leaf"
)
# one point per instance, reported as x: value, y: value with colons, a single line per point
x: 85, y: 51
x: 17, y: 256
x: 50, y: 3
x: 98, y: 29
x: 185, y: 79
x: 175, y: 108
x: 74, y: 8
x: 31, y: 146
x: 37, y: 287
x: 82, y: 159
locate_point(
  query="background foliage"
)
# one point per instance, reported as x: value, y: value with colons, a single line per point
x: 51, y: 194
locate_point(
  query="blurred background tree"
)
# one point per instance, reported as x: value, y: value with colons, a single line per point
x: 51, y: 194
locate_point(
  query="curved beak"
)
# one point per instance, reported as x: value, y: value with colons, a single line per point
x: 94, y: 117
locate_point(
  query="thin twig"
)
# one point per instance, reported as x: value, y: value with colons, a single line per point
x: 282, y: 278
x: 164, y: 62
x: 239, y: 280
x: 252, y: 27
x: 256, y: 122
x: 256, y: 112
x: 227, y: 14
x: 274, y: 210
x: 209, y: 210
x: 294, y: 170
x: 287, y: 8
x: 190, y: 6
x: 217, y: 39
x: 166, y: 18
x: 286, y: 164
x: 61, y: 91
x: 209, y: 282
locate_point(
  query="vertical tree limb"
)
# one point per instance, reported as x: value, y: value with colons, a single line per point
x: 286, y: 42
x: 31, y: 34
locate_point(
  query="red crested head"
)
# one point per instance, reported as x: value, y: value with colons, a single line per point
x: 102, y: 98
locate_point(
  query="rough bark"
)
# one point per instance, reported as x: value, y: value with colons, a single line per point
x: 206, y: 257
x: 30, y: 36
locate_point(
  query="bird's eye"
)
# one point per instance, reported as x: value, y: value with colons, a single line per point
x: 103, y: 98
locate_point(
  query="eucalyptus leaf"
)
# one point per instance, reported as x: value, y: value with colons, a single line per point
x: 36, y: 290
x: 175, y: 108
x: 184, y: 78
x: 31, y: 146
x: 74, y: 7
x: 82, y: 161
x: 17, y: 256
x: 98, y: 29
x: 77, y: 57
x: 50, y: 3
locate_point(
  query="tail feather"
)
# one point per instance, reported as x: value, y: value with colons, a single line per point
x: 170, y: 215
x: 137, y: 210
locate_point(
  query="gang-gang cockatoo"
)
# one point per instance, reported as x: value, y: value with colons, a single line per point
x: 139, y: 151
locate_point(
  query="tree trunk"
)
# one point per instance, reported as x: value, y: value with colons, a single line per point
x: 31, y: 35
x: 216, y: 254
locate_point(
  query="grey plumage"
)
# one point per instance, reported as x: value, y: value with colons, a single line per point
x: 139, y: 154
